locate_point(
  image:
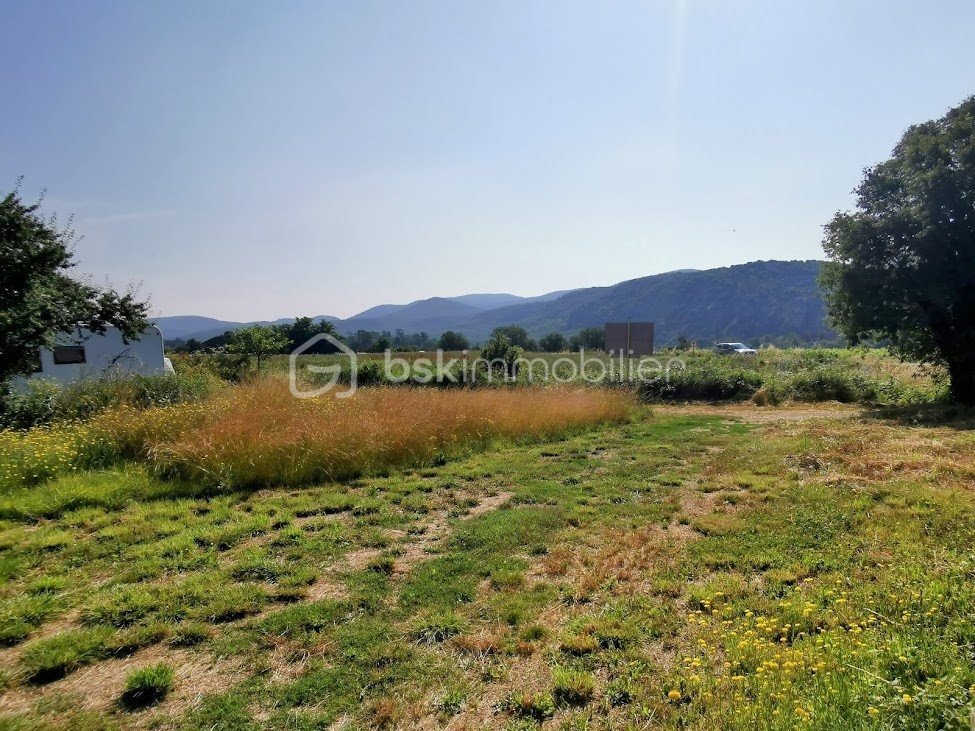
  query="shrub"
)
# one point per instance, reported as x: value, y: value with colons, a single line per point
x: 148, y: 685
x: 709, y: 380
x: 232, y: 367
x: 44, y: 402
x: 830, y: 383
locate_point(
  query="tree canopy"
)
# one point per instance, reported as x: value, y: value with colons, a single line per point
x: 554, y: 342
x: 450, y: 340
x: 517, y: 335
x: 902, y: 265
x: 589, y: 338
x: 38, y: 297
x: 258, y: 340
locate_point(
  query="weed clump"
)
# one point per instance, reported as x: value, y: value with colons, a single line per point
x: 535, y: 706
x: 572, y: 687
x: 148, y: 686
x: 54, y: 657
x: 438, y: 628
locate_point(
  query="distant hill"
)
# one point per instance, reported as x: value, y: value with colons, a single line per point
x: 432, y: 315
x: 487, y: 301
x: 184, y: 327
x: 761, y: 301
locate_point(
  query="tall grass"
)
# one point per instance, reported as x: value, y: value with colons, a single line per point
x: 264, y: 436
x: 46, y: 402
x: 258, y: 434
x: 802, y: 375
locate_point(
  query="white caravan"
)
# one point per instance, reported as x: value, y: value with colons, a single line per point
x: 82, y: 354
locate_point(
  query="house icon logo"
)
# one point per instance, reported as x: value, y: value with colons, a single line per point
x: 310, y: 387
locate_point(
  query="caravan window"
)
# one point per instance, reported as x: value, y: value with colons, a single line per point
x: 69, y: 354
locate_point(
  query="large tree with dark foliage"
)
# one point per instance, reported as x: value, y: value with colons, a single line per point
x: 902, y: 266
x: 450, y: 340
x: 38, y: 297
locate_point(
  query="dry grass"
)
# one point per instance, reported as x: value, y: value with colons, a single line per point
x: 261, y: 435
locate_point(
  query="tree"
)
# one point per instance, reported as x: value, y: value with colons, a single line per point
x: 902, y: 266
x: 516, y: 334
x: 501, y: 354
x: 553, y: 343
x: 39, y: 300
x: 589, y: 338
x: 257, y: 340
x: 450, y: 340
x: 304, y: 329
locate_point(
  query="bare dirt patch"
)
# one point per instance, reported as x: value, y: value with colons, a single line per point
x: 486, y: 505
x: 754, y: 414
x: 99, y: 687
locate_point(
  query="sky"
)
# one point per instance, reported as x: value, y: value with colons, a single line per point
x: 253, y: 160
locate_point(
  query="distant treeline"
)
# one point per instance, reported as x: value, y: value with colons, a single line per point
x: 290, y: 336
x: 373, y: 341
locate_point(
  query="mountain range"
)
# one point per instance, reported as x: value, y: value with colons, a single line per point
x: 760, y: 301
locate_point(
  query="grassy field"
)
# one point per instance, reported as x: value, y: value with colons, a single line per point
x: 685, y: 566
x: 775, y: 375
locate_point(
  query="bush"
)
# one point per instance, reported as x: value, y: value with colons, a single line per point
x: 709, y: 380
x: 831, y: 384
x: 148, y: 686
x: 232, y: 367
x: 45, y: 402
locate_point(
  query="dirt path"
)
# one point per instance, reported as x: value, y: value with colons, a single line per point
x: 753, y: 414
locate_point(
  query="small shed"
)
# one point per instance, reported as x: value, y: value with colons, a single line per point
x: 628, y: 338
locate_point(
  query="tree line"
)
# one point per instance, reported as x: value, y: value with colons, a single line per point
x: 265, y: 340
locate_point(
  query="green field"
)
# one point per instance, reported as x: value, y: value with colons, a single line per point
x: 696, y: 566
x: 868, y: 375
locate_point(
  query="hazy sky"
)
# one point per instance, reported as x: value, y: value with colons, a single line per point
x: 251, y: 160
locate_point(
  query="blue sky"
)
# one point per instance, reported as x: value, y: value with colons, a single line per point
x: 251, y: 160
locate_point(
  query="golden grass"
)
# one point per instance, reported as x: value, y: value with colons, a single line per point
x: 261, y: 435
x: 258, y: 434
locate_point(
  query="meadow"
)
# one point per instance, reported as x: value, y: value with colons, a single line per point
x: 775, y: 375
x: 518, y: 558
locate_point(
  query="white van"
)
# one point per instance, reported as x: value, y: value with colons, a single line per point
x: 83, y: 354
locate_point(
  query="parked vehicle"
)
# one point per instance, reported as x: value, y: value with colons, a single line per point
x: 82, y: 354
x: 734, y: 349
